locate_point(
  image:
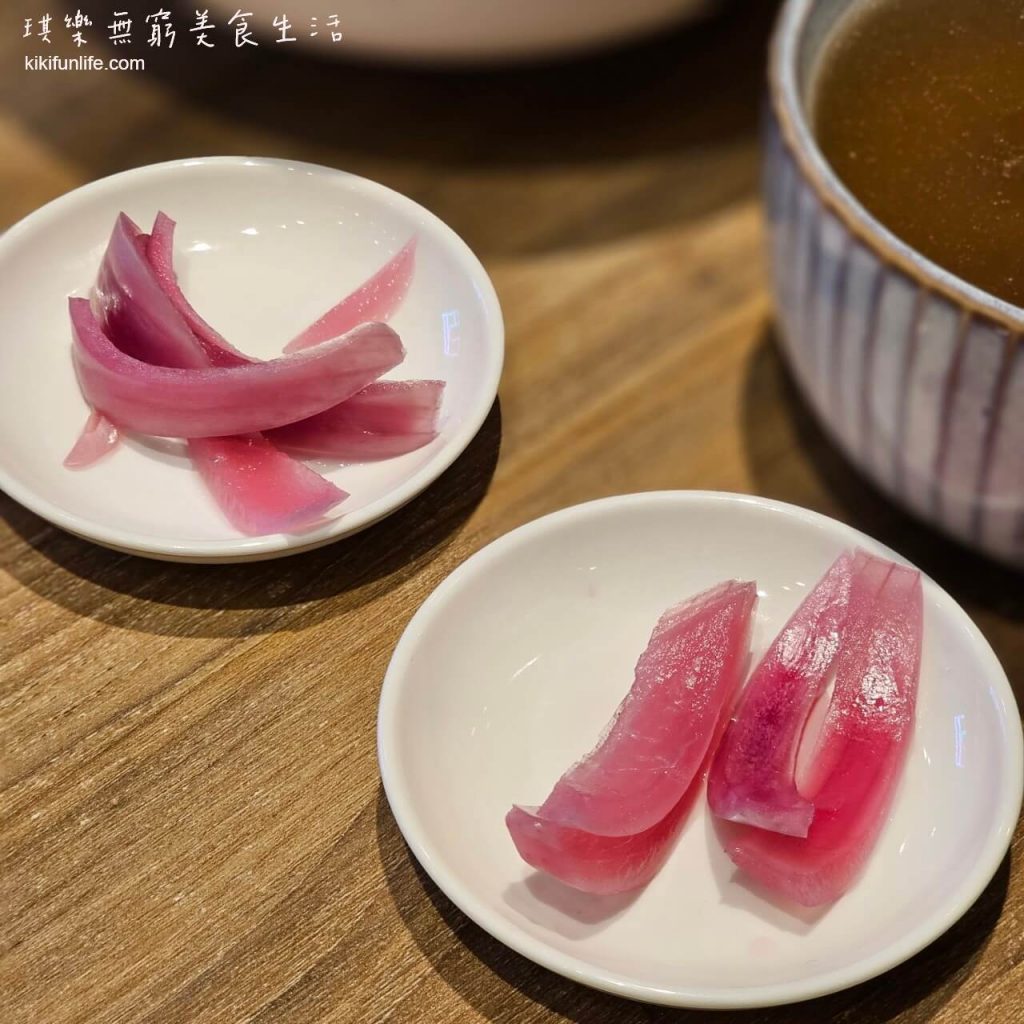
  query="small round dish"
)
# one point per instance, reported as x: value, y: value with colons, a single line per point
x: 509, y: 672
x: 263, y: 248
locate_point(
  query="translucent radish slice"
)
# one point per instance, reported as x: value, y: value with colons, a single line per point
x: 219, y: 401
x: 753, y: 776
x: 386, y: 419
x: 862, y: 748
x: 663, y: 728
x: 260, y: 489
x: 98, y: 437
x: 377, y: 299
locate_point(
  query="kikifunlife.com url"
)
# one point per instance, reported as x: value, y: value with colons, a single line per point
x: 85, y: 63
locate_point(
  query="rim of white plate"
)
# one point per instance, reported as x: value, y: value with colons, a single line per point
x: 272, y: 545
x: 713, y: 997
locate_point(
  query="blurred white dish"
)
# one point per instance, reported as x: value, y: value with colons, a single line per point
x: 264, y: 247
x: 509, y: 672
x: 463, y: 31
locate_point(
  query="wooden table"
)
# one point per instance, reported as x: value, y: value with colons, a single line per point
x: 193, y: 827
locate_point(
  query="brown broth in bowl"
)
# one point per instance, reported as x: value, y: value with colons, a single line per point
x: 919, y: 108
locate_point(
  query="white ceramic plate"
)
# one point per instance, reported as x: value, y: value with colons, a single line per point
x: 263, y: 247
x: 510, y: 670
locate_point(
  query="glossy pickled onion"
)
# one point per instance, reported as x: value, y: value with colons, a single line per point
x: 219, y: 401
x: 598, y: 864
x: 257, y: 487
x: 610, y: 820
x: 383, y: 420
x: 753, y: 776
x: 133, y: 309
x: 260, y: 489
x: 159, y: 252
x: 377, y: 299
x: 862, y: 749
x: 98, y: 437
x: 662, y: 728
x: 862, y: 696
x: 397, y: 406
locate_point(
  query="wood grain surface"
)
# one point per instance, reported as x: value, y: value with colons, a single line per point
x: 193, y: 828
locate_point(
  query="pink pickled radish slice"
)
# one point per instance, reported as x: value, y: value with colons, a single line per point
x: 385, y: 419
x: 218, y: 401
x: 663, y: 727
x: 377, y: 299
x: 159, y: 252
x: 863, y: 746
x: 260, y: 489
x: 98, y: 437
x: 753, y: 776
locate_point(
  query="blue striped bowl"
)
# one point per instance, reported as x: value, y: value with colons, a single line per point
x: 917, y: 375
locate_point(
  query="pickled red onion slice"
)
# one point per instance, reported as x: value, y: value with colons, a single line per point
x: 134, y: 311
x: 863, y: 749
x: 219, y: 401
x: 598, y: 864
x: 662, y: 729
x: 400, y: 406
x: 98, y: 437
x: 260, y: 489
x: 159, y: 252
x: 377, y: 299
x: 861, y: 694
x: 641, y: 781
x: 753, y: 776
x: 385, y: 419
x: 146, y: 314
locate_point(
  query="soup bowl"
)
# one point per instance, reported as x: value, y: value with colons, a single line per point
x: 917, y: 375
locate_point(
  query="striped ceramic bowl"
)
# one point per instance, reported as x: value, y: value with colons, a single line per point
x: 916, y: 374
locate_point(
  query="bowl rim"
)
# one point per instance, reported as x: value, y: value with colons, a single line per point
x: 972, y: 884
x: 275, y: 545
x: 788, y: 107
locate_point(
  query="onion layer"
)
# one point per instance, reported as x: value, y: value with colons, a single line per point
x: 383, y: 420
x: 218, y: 401
x: 377, y: 299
